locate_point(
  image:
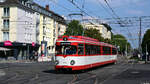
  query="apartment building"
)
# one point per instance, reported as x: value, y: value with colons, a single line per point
x: 105, y: 32
x: 26, y: 27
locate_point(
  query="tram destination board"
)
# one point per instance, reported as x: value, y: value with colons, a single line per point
x: 65, y: 43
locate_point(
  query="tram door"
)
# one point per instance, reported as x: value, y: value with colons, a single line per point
x: 81, y: 53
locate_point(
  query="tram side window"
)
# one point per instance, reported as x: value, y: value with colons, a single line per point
x: 114, y: 51
x: 66, y: 50
x: 92, y: 49
x: 98, y: 50
x: 87, y: 49
x: 106, y: 50
x: 81, y: 49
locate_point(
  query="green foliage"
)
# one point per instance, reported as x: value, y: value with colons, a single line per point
x: 146, y: 40
x: 74, y: 28
x: 120, y: 40
x: 93, y: 33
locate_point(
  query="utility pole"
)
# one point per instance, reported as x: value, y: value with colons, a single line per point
x: 126, y: 49
x: 140, y: 35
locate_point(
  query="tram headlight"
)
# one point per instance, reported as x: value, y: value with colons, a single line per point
x: 72, y: 62
x: 56, y: 62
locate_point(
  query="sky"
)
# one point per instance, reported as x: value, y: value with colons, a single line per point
x: 99, y: 9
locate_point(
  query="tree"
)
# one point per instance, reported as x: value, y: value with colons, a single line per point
x: 93, y: 33
x: 121, y: 41
x: 74, y: 28
x: 146, y: 41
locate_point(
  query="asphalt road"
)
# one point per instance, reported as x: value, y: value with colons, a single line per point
x: 44, y: 73
x: 135, y: 74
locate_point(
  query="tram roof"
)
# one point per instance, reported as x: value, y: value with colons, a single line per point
x: 84, y: 39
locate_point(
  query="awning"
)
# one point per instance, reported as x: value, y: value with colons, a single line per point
x: 4, y: 49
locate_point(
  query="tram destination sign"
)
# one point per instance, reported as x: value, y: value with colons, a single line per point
x: 65, y: 43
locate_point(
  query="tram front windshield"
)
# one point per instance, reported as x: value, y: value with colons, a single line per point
x: 66, y: 50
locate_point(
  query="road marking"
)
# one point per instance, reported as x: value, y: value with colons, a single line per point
x: 2, y: 73
x: 94, y: 76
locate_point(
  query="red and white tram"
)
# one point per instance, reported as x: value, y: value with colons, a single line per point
x: 79, y: 52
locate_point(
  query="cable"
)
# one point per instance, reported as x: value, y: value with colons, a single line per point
x: 61, y: 6
x: 111, y: 9
x: 82, y: 10
x: 105, y: 9
x: 118, y: 18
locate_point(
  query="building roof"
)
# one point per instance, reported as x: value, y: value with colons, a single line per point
x: 19, y: 4
x: 9, y: 2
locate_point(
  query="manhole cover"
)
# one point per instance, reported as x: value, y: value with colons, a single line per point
x: 135, y: 72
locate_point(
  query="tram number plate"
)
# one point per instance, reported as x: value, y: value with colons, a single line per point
x: 65, y: 43
x: 64, y: 62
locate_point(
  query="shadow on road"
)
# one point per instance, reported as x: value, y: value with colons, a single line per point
x: 67, y: 71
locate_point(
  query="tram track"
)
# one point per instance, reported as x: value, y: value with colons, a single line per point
x: 74, y: 79
x: 77, y: 78
x: 11, y: 77
x: 118, y: 70
x: 5, y: 67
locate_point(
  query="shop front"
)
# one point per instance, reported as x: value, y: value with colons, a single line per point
x: 17, y: 51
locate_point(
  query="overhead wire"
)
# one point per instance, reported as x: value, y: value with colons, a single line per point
x: 80, y: 8
x: 113, y: 15
x: 100, y: 3
x: 83, y: 8
x: 61, y: 6
x: 86, y: 13
x: 121, y: 22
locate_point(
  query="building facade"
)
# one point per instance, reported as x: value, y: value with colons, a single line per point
x: 105, y: 32
x: 27, y: 27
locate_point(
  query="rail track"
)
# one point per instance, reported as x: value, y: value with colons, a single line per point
x: 78, y: 78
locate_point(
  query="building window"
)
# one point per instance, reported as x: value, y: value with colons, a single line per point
x: 6, y: 11
x: 44, y: 20
x: 44, y: 38
x: 5, y: 36
x: 6, y: 23
x: 44, y: 30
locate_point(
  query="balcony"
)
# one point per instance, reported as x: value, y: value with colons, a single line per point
x: 5, y: 17
x: 5, y: 29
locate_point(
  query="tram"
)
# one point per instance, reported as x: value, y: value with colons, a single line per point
x: 79, y: 53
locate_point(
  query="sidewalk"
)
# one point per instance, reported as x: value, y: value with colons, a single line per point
x: 16, y: 61
x: 136, y: 74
